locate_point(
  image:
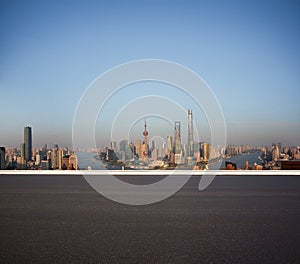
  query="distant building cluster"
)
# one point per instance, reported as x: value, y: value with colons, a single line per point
x: 143, y: 154
x: 279, y: 157
x: 273, y: 157
x: 140, y: 154
x: 197, y: 155
x: 25, y: 158
x: 235, y: 150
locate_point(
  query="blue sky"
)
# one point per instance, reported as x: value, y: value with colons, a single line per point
x: 247, y: 51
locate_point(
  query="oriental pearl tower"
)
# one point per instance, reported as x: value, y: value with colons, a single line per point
x: 145, y: 143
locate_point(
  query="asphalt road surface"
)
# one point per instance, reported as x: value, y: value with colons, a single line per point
x: 61, y: 219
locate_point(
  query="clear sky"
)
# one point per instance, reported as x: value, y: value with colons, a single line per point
x: 247, y: 51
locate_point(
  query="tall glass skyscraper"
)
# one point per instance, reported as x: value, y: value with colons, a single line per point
x: 28, y: 142
x: 190, y: 132
x: 177, y: 138
x: 2, y: 158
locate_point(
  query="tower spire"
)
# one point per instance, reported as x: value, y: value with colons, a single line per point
x: 145, y: 145
x: 190, y: 133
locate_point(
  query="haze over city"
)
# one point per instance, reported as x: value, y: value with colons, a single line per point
x: 247, y: 52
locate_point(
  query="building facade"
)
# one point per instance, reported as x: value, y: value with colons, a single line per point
x: 28, y: 143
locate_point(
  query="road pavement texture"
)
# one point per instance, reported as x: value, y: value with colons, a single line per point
x: 237, y: 219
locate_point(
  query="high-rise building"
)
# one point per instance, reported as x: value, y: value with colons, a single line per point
x: 169, y: 144
x: 37, y: 159
x: 177, y: 139
x: 162, y: 151
x: 123, y: 144
x: 275, y: 153
x: 153, y: 145
x: 54, y: 159
x: 111, y: 155
x: 190, y: 133
x: 22, y: 149
x: 138, y: 148
x: 129, y: 151
x: 186, y: 150
x: 28, y: 142
x: 60, y: 155
x: 44, y: 154
x: 154, y: 154
x: 113, y: 145
x: 204, y: 151
x: 196, y: 146
x: 2, y: 158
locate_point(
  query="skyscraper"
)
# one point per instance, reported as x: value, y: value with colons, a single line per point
x: 22, y: 149
x: 129, y: 152
x: 54, y: 159
x: 204, y: 151
x: 138, y: 148
x: 2, y: 158
x: 177, y: 135
x: 190, y: 133
x: 169, y: 144
x: 123, y: 144
x: 28, y: 143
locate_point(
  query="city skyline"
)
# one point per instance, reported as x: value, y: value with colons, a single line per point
x: 247, y: 53
x: 137, y: 154
x: 134, y: 153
